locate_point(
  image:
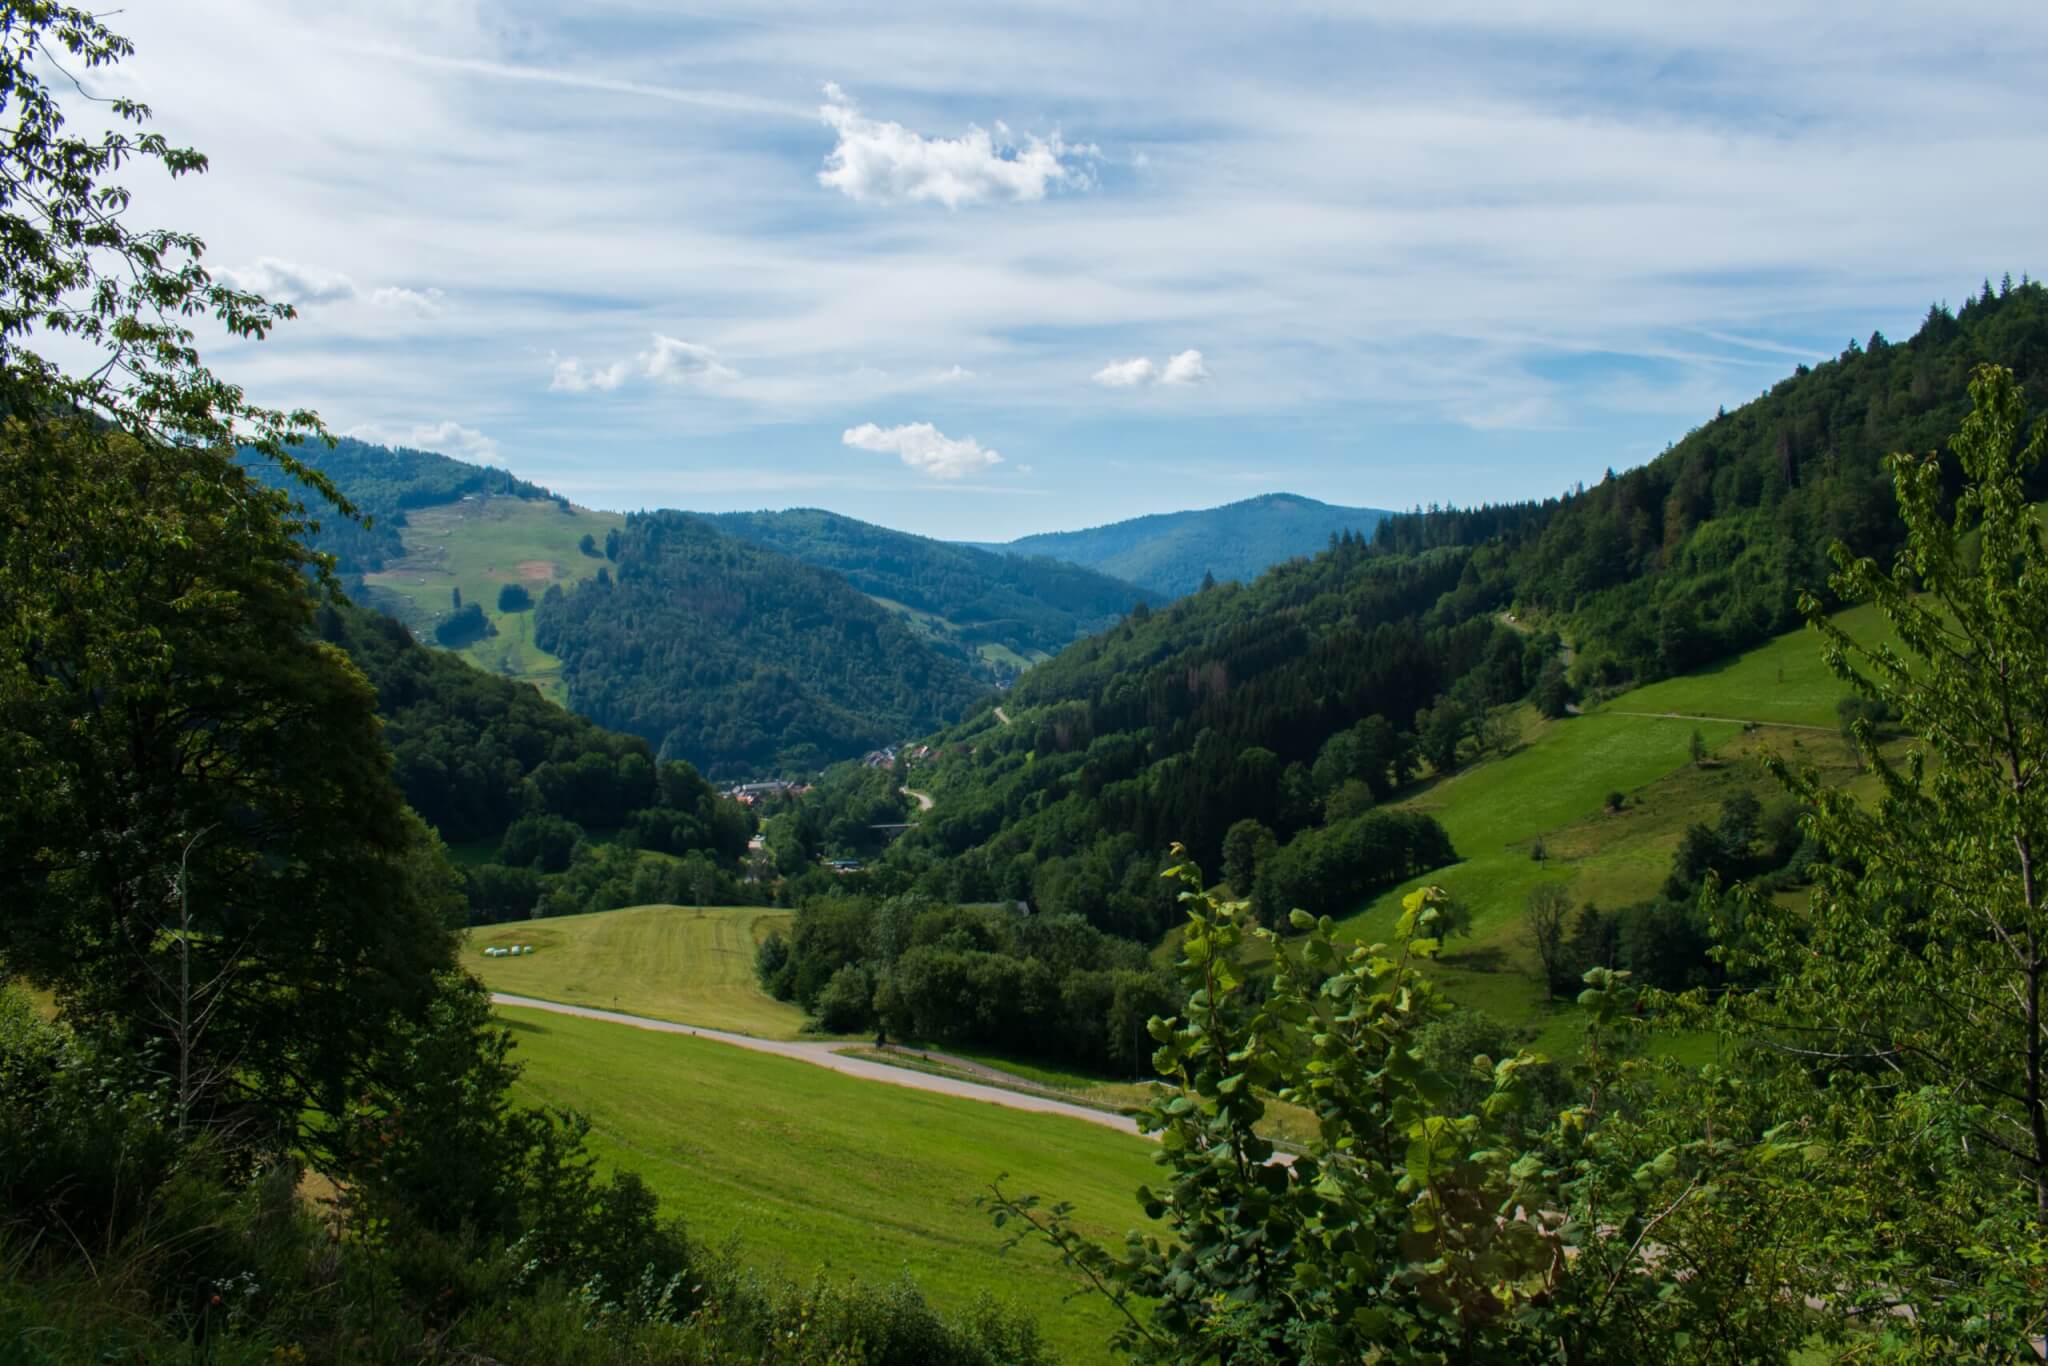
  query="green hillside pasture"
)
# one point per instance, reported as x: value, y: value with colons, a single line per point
x: 479, y: 546
x: 1554, y: 789
x: 812, y: 1171
x: 689, y: 964
x: 1783, y: 680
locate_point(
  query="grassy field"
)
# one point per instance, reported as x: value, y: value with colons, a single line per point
x: 480, y: 546
x: 815, y: 1172
x: 1782, y: 681
x: 1551, y: 793
x: 693, y: 965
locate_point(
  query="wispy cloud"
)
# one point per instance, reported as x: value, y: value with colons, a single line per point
x: 1127, y: 374
x: 1181, y: 368
x: 667, y: 361
x: 291, y: 283
x: 924, y: 448
x: 444, y: 438
x: 889, y: 163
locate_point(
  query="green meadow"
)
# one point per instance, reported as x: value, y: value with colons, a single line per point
x: 690, y: 964
x: 1549, y: 797
x: 811, y: 1172
x: 479, y: 546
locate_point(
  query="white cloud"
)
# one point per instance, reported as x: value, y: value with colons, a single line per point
x: 421, y: 303
x: 288, y: 282
x: 1184, y: 368
x: 925, y: 448
x: 571, y: 376
x: 667, y: 360
x: 1126, y: 374
x: 285, y: 282
x: 671, y: 361
x: 889, y: 163
x: 447, y: 438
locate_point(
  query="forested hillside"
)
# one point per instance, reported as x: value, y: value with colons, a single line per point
x: 1705, y: 549
x: 1264, y: 725
x: 738, y: 659
x: 1221, y: 708
x: 1172, y: 552
x: 382, y: 482
x: 558, y: 811
x: 998, y: 607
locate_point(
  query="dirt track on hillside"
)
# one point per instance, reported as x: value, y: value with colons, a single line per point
x: 828, y: 1055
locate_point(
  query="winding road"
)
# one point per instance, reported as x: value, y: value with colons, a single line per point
x: 828, y: 1055
x: 923, y: 799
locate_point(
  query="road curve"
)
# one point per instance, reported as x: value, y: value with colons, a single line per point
x: 827, y: 1055
x: 923, y: 799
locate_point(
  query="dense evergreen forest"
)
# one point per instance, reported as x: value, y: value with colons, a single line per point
x: 740, y: 660
x: 381, y: 482
x: 1030, y: 603
x: 1171, y: 553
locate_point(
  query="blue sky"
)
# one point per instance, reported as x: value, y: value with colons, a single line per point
x: 982, y: 271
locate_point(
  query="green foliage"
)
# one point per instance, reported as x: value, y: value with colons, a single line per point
x: 178, y: 750
x: 1393, y: 1237
x: 740, y: 660
x: 464, y: 626
x: 1343, y: 863
x: 477, y: 756
x: 1174, y: 553
x: 513, y: 597
x: 82, y: 275
x: 1905, y: 1002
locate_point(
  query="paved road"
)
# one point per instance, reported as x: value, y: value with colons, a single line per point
x: 1002, y: 716
x: 827, y: 1055
x: 923, y: 799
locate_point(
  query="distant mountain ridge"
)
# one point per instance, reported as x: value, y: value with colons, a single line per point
x: 1171, y: 552
x: 1004, y: 610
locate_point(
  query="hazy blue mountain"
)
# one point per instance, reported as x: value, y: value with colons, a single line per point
x: 1169, y: 552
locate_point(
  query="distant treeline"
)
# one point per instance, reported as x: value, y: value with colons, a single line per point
x: 1052, y: 987
x: 1026, y: 602
x: 382, y: 482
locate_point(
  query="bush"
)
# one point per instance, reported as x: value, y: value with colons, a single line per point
x: 465, y: 627
x: 846, y: 1005
x: 513, y: 597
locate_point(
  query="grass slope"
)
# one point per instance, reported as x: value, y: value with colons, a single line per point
x: 814, y: 1172
x: 479, y: 545
x: 1553, y: 788
x: 692, y: 965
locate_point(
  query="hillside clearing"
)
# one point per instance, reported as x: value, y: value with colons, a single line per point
x: 688, y: 964
x: 477, y: 546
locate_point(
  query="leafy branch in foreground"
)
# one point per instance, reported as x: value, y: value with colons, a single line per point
x: 1402, y: 1230
x: 1903, y: 1023
x: 74, y: 270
